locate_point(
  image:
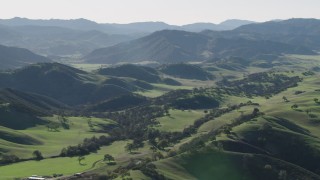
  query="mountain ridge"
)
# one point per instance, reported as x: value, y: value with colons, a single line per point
x: 135, y: 27
x: 174, y: 46
x: 13, y: 57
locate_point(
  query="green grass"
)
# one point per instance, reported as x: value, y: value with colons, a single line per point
x: 202, y: 166
x: 52, y: 142
x: 66, y: 166
x: 178, y: 120
x: 160, y: 89
x: 135, y: 174
x: 69, y: 166
x: 89, y: 67
x: 213, y: 164
x: 305, y: 57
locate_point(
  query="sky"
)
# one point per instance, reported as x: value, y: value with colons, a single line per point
x: 176, y: 12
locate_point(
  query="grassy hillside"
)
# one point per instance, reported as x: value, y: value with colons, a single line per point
x: 177, y: 120
x: 63, y: 83
x: 50, y: 142
x: 206, y: 164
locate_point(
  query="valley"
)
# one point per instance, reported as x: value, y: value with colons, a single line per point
x: 235, y: 104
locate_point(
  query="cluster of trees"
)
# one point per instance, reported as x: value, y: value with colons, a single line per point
x: 199, y: 142
x: 136, y: 144
x: 8, y: 159
x: 37, y: 155
x: 198, y: 98
x: 53, y: 126
x: 308, y: 73
x: 87, y: 146
x: 261, y: 84
x: 160, y: 140
x: 63, y: 121
x: 135, y: 122
x: 11, y: 158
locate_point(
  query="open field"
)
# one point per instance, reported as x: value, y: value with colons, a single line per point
x: 69, y: 166
x: 160, y: 89
x: 89, y: 67
x: 178, y: 120
x: 53, y: 141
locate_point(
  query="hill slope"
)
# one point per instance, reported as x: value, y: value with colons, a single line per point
x: 12, y: 57
x: 137, y: 72
x: 61, y: 82
x: 58, y: 41
x: 304, y: 32
x: 163, y: 46
x: 171, y: 46
x: 186, y: 71
x: 30, y: 103
x: 136, y: 27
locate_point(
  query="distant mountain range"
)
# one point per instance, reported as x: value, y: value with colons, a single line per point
x: 12, y: 57
x: 136, y: 42
x: 304, y: 32
x: 73, y: 38
x: 112, y: 28
x: 58, y: 41
x: 253, y: 41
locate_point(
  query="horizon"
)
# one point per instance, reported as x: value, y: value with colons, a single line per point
x: 175, y: 12
x: 151, y: 21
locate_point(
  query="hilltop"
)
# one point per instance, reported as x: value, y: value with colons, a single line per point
x: 133, y: 71
x: 171, y: 46
x: 13, y: 57
x: 64, y: 83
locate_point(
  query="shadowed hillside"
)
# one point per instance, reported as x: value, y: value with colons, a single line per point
x: 137, y: 72
x: 186, y: 71
x: 61, y: 82
x: 12, y: 57
x: 171, y: 46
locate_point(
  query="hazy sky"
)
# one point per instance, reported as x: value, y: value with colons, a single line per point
x: 170, y: 11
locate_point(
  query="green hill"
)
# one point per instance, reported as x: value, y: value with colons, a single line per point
x: 12, y: 57
x: 17, y: 137
x: 30, y: 103
x: 19, y: 110
x: 133, y: 71
x: 206, y: 164
x: 303, y: 32
x: 172, y: 46
x: 168, y: 46
x: 61, y: 82
x: 186, y: 71
x: 119, y: 103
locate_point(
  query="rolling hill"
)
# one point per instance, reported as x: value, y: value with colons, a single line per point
x: 302, y: 32
x: 30, y: 103
x: 19, y: 110
x: 133, y: 71
x: 172, y: 46
x: 186, y: 71
x: 61, y: 82
x: 12, y: 57
x: 164, y: 46
x: 58, y: 41
x: 113, y: 28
